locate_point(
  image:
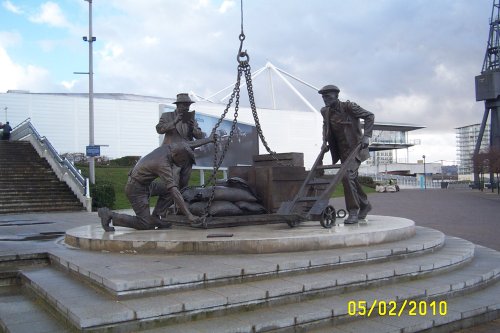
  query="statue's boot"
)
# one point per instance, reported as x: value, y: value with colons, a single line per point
x: 363, y: 212
x: 105, y: 215
x: 352, y: 219
x: 159, y: 223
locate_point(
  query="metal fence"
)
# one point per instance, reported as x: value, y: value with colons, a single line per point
x: 404, y: 181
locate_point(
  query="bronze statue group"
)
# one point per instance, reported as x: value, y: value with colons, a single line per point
x: 166, y: 170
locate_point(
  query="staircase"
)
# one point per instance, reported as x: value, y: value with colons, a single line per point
x: 28, y: 184
x: 428, y: 283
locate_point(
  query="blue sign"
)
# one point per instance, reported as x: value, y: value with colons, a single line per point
x: 93, y: 151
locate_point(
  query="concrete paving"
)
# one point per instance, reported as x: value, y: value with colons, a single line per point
x: 468, y: 214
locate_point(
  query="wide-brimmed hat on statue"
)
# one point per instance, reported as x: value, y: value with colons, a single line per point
x: 183, y: 98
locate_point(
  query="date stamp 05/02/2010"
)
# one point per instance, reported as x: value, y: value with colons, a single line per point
x: 395, y: 309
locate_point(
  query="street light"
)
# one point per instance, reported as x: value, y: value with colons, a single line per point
x: 425, y: 174
x: 90, y: 39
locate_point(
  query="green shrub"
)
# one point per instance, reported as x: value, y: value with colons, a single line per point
x: 103, y: 195
x: 367, y: 181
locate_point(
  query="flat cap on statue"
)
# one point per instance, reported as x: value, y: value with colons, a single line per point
x: 328, y: 88
x: 183, y: 98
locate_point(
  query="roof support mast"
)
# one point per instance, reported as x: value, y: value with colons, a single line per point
x: 281, y: 74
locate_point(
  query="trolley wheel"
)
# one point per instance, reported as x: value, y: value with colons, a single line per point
x: 327, y: 219
x: 292, y: 223
x: 341, y: 213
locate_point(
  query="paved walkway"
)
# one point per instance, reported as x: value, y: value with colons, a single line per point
x: 468, y: 214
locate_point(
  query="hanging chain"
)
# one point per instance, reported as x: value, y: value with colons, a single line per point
x: 248, y: 77
x: 243, y: 68
x: 217, y: 161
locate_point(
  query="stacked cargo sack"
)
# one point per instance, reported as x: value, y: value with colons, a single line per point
x: 232, y: 197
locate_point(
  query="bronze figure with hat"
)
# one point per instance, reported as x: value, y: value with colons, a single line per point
x: 181, y: 124
x: 177, y: 126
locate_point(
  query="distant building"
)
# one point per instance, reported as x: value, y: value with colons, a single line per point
x: 466, y: 143
x: 387, y: 140
x: 125, y: 124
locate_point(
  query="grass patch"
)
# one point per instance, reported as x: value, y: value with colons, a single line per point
x: 115, y: 175
x: 339, y: 190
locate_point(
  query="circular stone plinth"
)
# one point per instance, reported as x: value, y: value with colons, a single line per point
x: 268, y: 238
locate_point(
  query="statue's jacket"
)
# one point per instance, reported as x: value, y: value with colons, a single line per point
x: 342, y: 129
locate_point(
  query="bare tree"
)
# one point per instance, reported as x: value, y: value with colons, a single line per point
x: 494, y: 165
x: 481, y: 163
x: 488, y: 162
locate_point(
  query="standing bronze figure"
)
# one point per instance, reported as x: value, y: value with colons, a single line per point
x: 178, y: 126
x: 342, y: 133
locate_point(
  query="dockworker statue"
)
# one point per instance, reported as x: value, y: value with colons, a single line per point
x: 177, y: 126
x: 158, y: 163
x: 342, y: 133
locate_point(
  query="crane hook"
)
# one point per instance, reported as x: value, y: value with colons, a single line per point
x: 242, y: 57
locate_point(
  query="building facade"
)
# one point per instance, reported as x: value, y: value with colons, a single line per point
x: 390, y: 142
x: 124, y: 125
x: 466, y: 137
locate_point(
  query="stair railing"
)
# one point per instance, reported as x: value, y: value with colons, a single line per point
x: 64, y: 168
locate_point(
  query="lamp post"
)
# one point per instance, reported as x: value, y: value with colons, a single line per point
x: 90, y: 39
x: 425, y: 174
x: 442, y: 172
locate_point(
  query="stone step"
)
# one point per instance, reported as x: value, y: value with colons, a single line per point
x: 29, y: 177
x: 37, y: 207
x: 175, y: 272
x: 461, y: 312
x: 41, y: 206
x: 24, y: 161
x: 40, y: 191
x: 470, y: 296
x: 13, y: 156
x: 22, y: 171
x: 69, y: 296
x: 38, y: 196
x: 42, y: 199
x: 30, y: 157
x: 21, y: 313
x: 28, y: 184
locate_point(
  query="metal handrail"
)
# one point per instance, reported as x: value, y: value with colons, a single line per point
x: 26, y: 128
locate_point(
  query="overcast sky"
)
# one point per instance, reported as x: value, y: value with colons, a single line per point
x: 406, y: 61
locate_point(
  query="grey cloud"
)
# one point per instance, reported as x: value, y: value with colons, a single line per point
x: 372, y: 50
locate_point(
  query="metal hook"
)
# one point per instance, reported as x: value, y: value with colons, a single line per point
x: 242, y: 54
